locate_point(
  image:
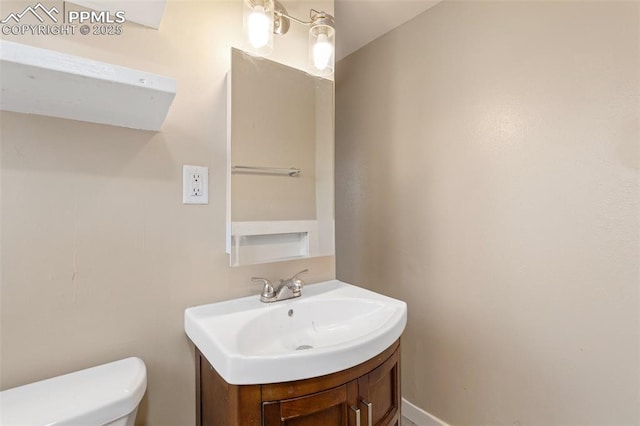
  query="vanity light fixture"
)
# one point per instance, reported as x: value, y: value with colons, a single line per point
x: 263, y: 18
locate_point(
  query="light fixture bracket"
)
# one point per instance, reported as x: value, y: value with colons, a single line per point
x: 281, y: 19
x: 321, y: 18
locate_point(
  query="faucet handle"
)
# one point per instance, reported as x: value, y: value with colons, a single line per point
x: 295, y: 277
x: 267, y: 291
x: 297, y: 282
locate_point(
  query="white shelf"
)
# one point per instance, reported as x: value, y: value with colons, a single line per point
x: 44, y: 82
x: 144, y: 12
x: 272, y: 241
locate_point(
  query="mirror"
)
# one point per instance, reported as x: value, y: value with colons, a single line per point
x: 280, y: 162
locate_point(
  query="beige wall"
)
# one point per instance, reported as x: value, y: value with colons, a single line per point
x: 99, y: 255
x: 487, y: 173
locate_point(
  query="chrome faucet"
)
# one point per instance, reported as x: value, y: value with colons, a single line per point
x: 286, y: 289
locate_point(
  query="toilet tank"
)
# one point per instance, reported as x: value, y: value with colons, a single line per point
x: 103, y: 395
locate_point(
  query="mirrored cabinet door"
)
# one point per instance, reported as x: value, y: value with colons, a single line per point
x: 280, y: 162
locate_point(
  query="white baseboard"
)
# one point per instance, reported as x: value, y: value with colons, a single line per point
x: 418, y: 416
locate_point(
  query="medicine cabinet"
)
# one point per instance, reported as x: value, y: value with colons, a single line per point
x: 280, y: 162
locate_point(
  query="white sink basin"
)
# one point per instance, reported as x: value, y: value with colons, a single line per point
x: 331, y: 327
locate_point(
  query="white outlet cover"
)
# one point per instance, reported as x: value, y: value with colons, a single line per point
x: 195, y: 185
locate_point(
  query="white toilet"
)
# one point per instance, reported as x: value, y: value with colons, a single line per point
x: 106, y: 395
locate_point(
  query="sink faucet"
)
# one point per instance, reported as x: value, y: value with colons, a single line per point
x: 286, y: 289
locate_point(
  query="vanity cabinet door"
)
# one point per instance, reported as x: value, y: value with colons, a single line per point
x: 379, y: 394
x: 330, y: 407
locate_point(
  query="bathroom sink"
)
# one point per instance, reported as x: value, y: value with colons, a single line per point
x: 331, y: 327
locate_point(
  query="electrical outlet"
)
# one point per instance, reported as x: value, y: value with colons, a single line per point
x: 195, y: 185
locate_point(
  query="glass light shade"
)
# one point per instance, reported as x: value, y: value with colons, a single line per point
x: 321, y: 50
x: 258, y: 27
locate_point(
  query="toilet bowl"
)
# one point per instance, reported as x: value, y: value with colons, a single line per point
x: 106, y: 395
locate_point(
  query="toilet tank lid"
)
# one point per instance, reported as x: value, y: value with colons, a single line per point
x: 96, y: 395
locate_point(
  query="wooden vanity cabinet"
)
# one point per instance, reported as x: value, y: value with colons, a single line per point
x: 379, y: 394
x: 372, y: 387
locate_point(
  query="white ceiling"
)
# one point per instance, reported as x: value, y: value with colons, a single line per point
x: 359, y: 22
